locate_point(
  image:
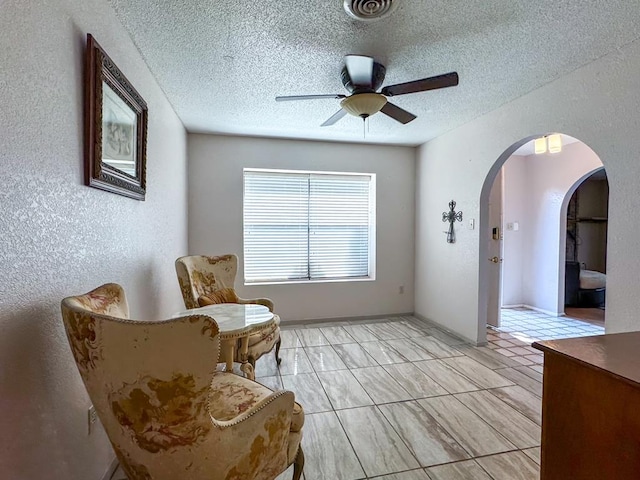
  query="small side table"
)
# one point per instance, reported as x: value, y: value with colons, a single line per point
x: 236, y: 322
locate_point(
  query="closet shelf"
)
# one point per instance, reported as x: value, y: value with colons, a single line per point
x: 592, y: 219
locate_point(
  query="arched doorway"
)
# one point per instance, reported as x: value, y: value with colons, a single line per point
x: 532, y: 236
x: 585, y: 209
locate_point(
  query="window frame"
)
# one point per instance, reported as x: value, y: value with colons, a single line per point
x: 372, y: 228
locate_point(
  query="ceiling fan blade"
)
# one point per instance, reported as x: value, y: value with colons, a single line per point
x: 431, y: 83
x: 334, y: 118
x: 360, y: 70
x: 308, y: 97
x: 397, y: 113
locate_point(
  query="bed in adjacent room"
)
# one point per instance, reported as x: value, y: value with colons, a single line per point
x: 584, y: 288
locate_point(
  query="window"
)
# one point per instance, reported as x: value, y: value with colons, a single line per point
x: 308, y: 226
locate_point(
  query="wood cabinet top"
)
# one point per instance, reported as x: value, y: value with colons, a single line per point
x: 618, y: 354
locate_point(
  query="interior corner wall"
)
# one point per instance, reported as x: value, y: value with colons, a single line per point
x: 597, y: 104
x: 61, y: 238
x: 215, y: 218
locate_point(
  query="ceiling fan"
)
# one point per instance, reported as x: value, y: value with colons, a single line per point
x: 362, y: 77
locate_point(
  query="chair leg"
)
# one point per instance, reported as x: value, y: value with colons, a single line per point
x: 252, y: 361
x: 298, y: 464
x: 278, y: 359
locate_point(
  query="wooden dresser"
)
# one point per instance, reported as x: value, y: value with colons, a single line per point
x: 591, y: 408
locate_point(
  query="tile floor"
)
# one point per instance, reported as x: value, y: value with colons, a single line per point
x: 398, y: 399
x: 529, y: 325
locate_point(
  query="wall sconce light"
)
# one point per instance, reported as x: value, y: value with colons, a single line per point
x: 552, y: 142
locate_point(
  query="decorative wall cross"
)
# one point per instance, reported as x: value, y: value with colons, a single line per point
x: 451, y: 216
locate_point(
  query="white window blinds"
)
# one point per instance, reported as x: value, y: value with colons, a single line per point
x: 307, y: 226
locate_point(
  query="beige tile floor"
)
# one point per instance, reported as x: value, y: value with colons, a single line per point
x: 397, y: 399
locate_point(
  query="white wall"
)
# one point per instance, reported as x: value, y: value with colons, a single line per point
x: 60, y: 238
x: 215, y: 218
x: 597, y: 104
x: 514, y: 209
x: 544, y: 185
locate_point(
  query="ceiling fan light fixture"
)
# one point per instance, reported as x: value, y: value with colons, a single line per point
x: 364, y: 104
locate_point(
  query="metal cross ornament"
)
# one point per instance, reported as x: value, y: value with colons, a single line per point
x: 451, y: 216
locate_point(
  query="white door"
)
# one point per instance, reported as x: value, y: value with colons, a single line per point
x: 495, y: 252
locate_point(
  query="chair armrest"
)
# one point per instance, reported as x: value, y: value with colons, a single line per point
x: 257, y: 440
x: 281, y: 400
x: 258, y: 301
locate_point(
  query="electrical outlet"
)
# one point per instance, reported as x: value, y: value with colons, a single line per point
x: 93, y: 419
x: 401, y: 289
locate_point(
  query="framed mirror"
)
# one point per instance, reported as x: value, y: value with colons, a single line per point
x: 115, y: 127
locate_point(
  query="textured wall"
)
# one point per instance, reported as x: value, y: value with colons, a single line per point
x: 215, y: 218
x: 597, y: 104
x: 58, y: 237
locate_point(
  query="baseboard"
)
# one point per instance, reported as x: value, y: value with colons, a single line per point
x: 293, y: 323
x: 519, y: 305
x: 448, y: 331
x: 111, y: 469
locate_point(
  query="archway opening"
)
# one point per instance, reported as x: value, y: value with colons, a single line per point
x: 523, y: 234
x: 586, y: 208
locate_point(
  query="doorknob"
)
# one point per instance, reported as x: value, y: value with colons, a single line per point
x: 495, y: 260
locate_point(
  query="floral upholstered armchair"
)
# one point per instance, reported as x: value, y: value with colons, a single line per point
x: 209, y: 280
x: 168, y: 414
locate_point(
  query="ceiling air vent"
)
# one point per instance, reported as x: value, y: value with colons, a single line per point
x: 370, y: 10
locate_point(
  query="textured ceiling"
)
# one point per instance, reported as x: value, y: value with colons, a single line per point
x: 222, y: 62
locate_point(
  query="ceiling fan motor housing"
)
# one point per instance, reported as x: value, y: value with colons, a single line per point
x: 370, y: 10
x: 376, y: 80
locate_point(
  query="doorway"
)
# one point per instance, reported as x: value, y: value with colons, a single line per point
x: 495, y: 250
x: 522, y: 254
x: 586, y: 248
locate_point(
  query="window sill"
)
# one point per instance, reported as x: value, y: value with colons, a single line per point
x: 302, y: 282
